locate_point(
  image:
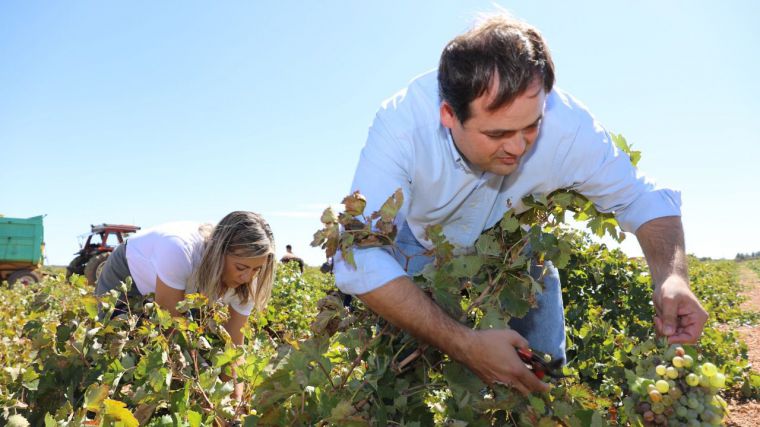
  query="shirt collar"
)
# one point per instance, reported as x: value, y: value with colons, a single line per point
x: 456, y: 157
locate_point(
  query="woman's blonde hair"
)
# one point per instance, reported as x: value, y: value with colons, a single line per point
x: 243, y: 234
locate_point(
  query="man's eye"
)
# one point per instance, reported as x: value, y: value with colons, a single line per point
x: 499, y: 135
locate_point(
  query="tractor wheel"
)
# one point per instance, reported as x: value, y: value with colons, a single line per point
x: 75, y: 267
x: 94, y: 267
x: 24, y: 277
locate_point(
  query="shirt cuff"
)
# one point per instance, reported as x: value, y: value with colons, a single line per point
x: 651, y: 205
x: 374, y: 268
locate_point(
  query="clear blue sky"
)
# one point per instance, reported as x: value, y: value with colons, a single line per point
x: 145, y: 112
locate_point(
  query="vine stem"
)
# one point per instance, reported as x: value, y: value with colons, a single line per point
x: 194, y: 355
x: 358, y: 357
x: 81, y: 354
x: 324, y: 371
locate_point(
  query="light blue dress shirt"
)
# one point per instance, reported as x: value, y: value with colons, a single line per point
x: 408, y: 148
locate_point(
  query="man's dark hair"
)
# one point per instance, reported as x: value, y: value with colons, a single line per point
x: 501, y: 47
x: 288, y: 247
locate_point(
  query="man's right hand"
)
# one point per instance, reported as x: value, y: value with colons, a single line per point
x: 490, y: 354
x: 493, y: 359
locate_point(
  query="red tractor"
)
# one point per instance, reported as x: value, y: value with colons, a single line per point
x: 89, y: 261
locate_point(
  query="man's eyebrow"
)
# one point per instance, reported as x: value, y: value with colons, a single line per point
x: 499, y: 130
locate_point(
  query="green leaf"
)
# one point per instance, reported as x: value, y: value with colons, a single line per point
x: 228, y: 355
x: 342, y: 410
x: 30, y: 379
x: 465, y: 266
x: 90, y: 304
x: 487, y: 245
x: 509, y: 223
x: 94, y: 396
x: 537, y: 403
x: 194, y: 419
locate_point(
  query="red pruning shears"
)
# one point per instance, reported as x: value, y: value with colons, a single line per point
x: 539, y: 365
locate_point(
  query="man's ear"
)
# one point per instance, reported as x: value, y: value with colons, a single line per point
x: 448, y: 118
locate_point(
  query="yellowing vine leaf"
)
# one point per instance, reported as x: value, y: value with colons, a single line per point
x: 119, y: 412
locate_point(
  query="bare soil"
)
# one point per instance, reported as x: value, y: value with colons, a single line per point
x: 747, y: 413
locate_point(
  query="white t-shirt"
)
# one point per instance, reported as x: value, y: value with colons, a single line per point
x: 171, y: 252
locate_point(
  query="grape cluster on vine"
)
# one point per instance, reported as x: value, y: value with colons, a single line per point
x: 676, y: 390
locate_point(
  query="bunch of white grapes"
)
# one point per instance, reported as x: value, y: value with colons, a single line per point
x: 683, y: 393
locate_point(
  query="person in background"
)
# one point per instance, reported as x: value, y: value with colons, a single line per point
x: 290, y: 257
x: 232, y: 262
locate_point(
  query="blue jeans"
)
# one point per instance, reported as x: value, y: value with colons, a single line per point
x: 543, y: 326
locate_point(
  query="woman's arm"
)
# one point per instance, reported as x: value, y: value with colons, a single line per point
x: 168, y: 297
x: 234, y: 327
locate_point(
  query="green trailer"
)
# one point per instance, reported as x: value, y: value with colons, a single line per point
x: 21, y: 249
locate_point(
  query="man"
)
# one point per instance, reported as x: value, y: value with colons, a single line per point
x: 291, y: 257
x: 464, y: 143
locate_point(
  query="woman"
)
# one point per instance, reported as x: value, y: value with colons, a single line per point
x: 232, y: 262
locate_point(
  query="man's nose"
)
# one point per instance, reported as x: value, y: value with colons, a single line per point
x: 516, y: 145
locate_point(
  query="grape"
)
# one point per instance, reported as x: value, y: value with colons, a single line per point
x: 718, y: 380
x: 655, y: 396
x: 688, y: 361
x: 709, y: 369
x: 660, y: 419
x: 675, y: 393
x: 660, y: 369
x: 649, y: 416
x: 662, y: 386
x: 704, y: 380
x: 693, y: 403
x: 671, y: 372
x: 658, y: 408
x: 678, y: 362
x: 692, y: 380
x: 643, y: 407
x: 681, y: 411
x: 680, y: 351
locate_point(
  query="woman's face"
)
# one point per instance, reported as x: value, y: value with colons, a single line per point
x: 241, y: 270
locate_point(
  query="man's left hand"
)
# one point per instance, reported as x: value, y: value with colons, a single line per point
x: 679, y: 315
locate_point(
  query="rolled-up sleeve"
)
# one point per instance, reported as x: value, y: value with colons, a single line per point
x: 383, y: 168
x: 596, y: 168
x: 374, y: 268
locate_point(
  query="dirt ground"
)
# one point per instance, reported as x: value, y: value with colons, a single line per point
x: 747, y: 414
